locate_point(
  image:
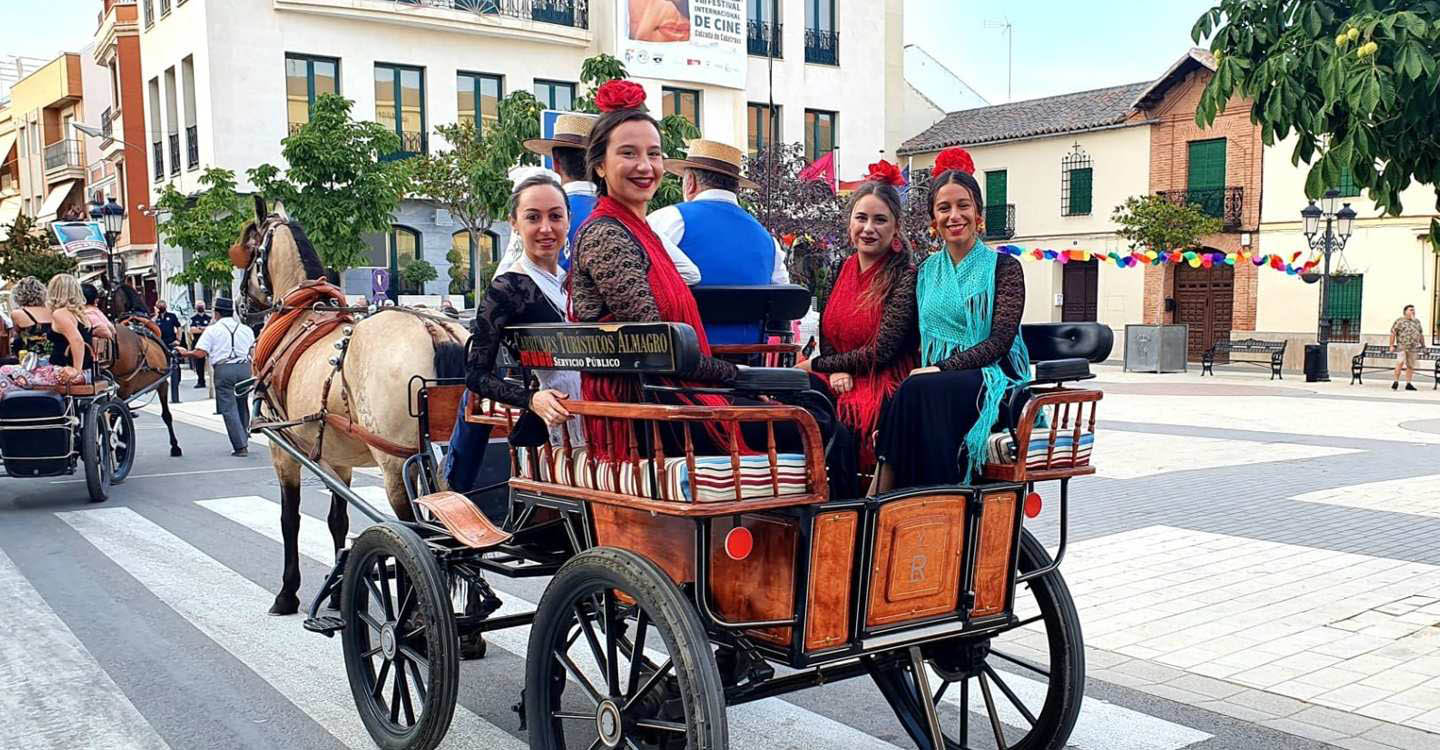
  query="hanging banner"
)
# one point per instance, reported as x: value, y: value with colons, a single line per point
x: 696, y: 41
x: 1193, y: 258
x: 76, y: 236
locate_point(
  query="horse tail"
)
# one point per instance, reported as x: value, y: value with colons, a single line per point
x: 449, y: 359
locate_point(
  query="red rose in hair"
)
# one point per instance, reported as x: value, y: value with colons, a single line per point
x: 884, y: 171
x: 620, y: 94
x: 954, y: 158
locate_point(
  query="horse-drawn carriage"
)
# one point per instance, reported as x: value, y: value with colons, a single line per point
x: 681, y: 582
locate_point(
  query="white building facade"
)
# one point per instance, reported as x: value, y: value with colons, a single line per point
x: 225, y: 82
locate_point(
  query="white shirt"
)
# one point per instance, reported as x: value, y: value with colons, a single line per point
x: 580, y: 187
x: 226, y: 341
x: 669, y: 223
x: 687, y: 268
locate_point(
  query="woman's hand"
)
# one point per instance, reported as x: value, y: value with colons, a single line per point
x: 546, y: 404
x: 804, y: 366
x: 842, y: 382
x: 924, y: 371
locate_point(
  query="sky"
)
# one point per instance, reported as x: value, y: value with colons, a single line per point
x: 1060, y: 45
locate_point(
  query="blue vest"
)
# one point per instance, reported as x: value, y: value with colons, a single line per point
x: 731, y: 248
x: 580, y: 208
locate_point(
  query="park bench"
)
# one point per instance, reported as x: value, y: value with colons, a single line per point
x: 1358, y: 364
x: 1270, y: 354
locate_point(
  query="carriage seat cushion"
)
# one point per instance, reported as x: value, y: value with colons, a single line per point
x: 1000, y: 449
x: 1088, y: 341
x: 1062, y: 370
x: 714, y: 479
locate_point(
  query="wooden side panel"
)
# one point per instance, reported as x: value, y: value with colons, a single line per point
x: 667, y: 541
x: 918, y: 545
x: 762, y: 586
x: 832, y: 560
x: 993, y: 565
x: 443, y: 402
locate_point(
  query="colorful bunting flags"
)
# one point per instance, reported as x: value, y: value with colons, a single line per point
x: 1192, y: 258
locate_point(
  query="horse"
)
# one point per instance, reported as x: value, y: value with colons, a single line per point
x: 343, y: 412
x: 141, y: 359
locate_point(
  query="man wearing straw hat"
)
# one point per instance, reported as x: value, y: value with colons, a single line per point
x: 716, y: 233
x: 566, y: 148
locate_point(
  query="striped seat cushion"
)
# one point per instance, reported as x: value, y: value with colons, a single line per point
x: 1001, y: 450
x: 714, y: 480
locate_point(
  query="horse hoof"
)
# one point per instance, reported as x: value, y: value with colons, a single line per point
x: 175, y: 452
x: 285, y: 606
x: 472, y: 646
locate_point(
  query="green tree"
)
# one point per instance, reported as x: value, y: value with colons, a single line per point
x: 595, y: 72
x: 1354, y: 80
x: 27, y: 251
x: 206, y: 224
x: 418, y: 272
x: 343, y: 181
x: 1152, y: 222
x: 470, y: 179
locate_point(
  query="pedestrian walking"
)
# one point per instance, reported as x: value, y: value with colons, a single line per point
x: 226, y: 343
x: 198, y: 323
x: 1407, y: 338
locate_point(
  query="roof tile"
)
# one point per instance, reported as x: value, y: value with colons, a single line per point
x: 1084, y: 110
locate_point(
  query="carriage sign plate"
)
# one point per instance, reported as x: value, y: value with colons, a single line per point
x: 656, y: 348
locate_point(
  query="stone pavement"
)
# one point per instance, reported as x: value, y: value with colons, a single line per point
x: 1268, y: 550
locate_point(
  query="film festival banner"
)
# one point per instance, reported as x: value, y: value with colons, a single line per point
x: 698, y: 41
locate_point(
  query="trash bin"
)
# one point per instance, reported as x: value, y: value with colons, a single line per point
x: 1316, y: 368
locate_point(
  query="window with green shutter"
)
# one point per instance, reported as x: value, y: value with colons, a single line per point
x: 1205, y: 179
x: 1346, y: 293
x: 1077, y: 176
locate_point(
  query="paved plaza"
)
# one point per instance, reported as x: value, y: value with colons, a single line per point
x: 1256, y: 565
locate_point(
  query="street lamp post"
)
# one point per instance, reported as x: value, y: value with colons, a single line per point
x: 111, y: 216
x: 1338, y: 226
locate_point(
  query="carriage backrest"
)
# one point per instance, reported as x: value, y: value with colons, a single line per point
x: 780, y: 303
x: 1052, y: 341
x: 606, y: 348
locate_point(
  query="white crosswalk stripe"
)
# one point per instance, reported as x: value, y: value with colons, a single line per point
x: 53, y: 694
x: 229, y: 609
x: 776, y: 723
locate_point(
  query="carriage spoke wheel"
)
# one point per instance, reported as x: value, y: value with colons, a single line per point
x: 399, y: 639
x: 1017, y: 690
x: 119, y: 426
x: 618, y: 659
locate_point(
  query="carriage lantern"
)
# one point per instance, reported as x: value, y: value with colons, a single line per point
x: 1337, y: 227
x: 111, y: 216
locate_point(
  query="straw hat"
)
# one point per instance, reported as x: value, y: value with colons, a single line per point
x: 711, y: 156
x: 571, y: 131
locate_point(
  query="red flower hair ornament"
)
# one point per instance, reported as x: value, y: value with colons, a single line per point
x: 884, y: 171
x: 620, y: 94
x: 954, y: 158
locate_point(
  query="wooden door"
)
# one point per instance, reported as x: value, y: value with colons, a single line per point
x: 1080, y: 287
x: 1204, y: 300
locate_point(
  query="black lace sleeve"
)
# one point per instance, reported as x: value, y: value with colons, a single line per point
x: 896, y: 335
x: 1004, y: 319
x: 503, y: 303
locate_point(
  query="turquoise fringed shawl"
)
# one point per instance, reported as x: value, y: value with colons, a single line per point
x: 957, y: 302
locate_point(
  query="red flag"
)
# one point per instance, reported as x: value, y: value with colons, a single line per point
x: 821, y: 169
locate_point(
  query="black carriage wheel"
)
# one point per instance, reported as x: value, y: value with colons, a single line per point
x: 590, y: 683
x: 399, y: 639
x: 120, y: 428
x: 94, y: 453
x: 985, y: 676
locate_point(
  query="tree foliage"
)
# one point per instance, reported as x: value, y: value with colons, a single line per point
x: 1354, y: 80
x: 206, y: 224
x: 594, y: 72
x: 1153, y: 222
x: 342, y: 182
x: 470, y: 179
x: 27, y: 252
x: 418, y: 272
x: 789, y: 206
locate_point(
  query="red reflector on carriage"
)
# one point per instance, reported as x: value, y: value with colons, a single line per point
x: 1033, y: 505
x: 739, y: 543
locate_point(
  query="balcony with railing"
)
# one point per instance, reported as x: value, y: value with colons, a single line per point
x: 1224, y: 203
x: 174, y: 153
x: 573, y: 14
x: 1000, y: 221
x: 822, y: 46
x: 192, y: 147
x: 64, y: 159
x: 158, y: 149
x: 761, y: 35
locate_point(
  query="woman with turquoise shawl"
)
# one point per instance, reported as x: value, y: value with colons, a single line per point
x: 970, y: 300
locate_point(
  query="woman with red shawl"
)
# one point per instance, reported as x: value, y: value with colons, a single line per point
x: 868, y: 334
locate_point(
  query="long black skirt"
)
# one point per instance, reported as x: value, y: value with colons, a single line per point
x: 922, y: 432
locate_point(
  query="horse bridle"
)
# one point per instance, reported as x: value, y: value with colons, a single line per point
x: 258, y: 251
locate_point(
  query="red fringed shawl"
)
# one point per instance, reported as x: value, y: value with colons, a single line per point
x: 609, y: 439
x: 849, y: 324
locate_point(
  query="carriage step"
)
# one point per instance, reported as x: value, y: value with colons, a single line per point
x: 326, y: 626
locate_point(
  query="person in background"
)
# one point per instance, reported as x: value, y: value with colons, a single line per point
x: 169, y: 324
x: 198, y: 323
x: 1407, y: 338
x: 227, y: 343
x: 68, y: 332
x: 99, y: 323
x: 720, y: 237
x: 566, y: 150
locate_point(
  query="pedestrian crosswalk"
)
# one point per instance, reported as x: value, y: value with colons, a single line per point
x: 227, y: 606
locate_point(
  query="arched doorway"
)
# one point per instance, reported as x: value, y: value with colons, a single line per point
x: 402, y: 248
x: 1205, y: 301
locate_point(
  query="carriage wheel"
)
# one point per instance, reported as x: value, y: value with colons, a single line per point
x: 1024, y: 684
x: 618, y: 659
x: 120, y: 427
x: 399, y: 639
x: 95, y: 453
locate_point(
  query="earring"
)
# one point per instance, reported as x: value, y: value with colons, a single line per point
x: 895, y: 244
